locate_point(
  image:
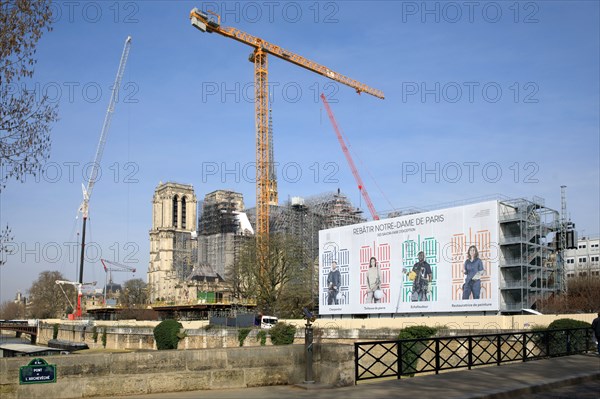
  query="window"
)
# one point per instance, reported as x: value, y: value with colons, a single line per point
x: 581, y: 246
x: 571, y: 260
x: 582, y: 260
x: 596, y: 273
x: 175, y: 211
x: 183, y: 212
x: 582, y: 274
x: 595, y: 258
x: 571, y: 275
x: 594, y: 245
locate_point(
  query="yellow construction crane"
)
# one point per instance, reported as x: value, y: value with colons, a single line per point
x: 266, y: 189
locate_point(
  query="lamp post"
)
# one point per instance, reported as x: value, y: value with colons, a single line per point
x: 308, y: 346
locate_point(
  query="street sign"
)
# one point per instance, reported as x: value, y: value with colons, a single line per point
x: 38, y: 371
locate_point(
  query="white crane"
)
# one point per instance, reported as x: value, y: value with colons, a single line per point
x: 77, y: 312
x: 87, y: 191
x: 113, y: 267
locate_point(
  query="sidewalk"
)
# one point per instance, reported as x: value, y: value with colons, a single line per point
x: 506, y: 381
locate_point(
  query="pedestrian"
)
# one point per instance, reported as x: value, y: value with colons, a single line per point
x: 596, y: 329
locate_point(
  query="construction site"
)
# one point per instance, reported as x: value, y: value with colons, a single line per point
x: 190, y: 264
x: 195, y: 245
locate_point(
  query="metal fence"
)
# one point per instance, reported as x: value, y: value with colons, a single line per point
x: 407, y: 357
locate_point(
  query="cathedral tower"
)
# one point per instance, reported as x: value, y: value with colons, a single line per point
x: 172, y: 236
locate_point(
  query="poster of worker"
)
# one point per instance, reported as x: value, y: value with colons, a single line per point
x: 438, y: 261
x: 334, y: 276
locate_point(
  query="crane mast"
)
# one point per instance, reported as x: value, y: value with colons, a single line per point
x: 77, y: 312
x: 266, y: 190
x: 87, y: 191
x: 359, y: 182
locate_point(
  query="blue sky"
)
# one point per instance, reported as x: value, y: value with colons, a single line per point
x: 497, y: 97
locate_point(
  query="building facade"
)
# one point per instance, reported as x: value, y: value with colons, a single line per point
x: 584, y: 261
x: 173, y: 244
x: 191, y: 263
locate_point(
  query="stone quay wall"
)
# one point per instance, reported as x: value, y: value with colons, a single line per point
x: 107, y: 374
x: 138, y: 335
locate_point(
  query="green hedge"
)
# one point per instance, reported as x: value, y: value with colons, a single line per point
x: 166, y: 334
x: 262, y: 337
x: 282, y: 333
x: 412, y: 350
x: 95, y: 334
x: 558, y: 339
x: 563, y: 324
x: 415, y: 332
x: 242, y: 334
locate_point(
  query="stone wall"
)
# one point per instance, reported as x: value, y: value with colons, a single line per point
x: 212, y: 359
x: 106, y: 374
x: 137, y: 335
x: 134, y: 336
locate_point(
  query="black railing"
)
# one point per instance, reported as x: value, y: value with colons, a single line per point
x: 407, y: 357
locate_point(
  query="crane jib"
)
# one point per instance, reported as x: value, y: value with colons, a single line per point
x: 205, y: 23
x: 266, y: 188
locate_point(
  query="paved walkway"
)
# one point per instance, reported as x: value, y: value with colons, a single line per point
x: 506, y: 381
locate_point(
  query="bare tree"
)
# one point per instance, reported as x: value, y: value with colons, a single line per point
x: 11, y: 310
x: 134, y: 293
x: 284, y: 285
x: 241, y: 275
x: 583, y: 295
x: 47, y: 299
x: 25, y: 116
x: 5, y: 249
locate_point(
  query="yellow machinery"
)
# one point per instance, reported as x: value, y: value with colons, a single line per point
x: 266, y: 188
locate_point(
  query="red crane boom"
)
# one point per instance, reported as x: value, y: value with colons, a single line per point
x: 361, y: 185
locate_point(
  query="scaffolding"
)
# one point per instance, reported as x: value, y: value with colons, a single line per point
x: 530, y: 270
x: 302, y: 218
x: 221, y: 231
x: 185, y: 254
x: 219, y: 212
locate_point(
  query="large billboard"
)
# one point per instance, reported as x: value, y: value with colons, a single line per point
x: 438, y: 261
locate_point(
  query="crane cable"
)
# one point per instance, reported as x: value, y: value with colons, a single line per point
x: 66, y: 296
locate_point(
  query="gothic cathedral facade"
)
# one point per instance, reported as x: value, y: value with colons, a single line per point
x: 174, y: 219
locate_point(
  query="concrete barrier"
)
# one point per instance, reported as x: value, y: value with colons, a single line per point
x: 107, y: 374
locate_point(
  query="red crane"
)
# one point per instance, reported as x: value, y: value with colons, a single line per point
x: 110, y: 267
x: 361, y: 185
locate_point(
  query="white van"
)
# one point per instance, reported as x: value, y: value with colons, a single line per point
x: 268, y: 321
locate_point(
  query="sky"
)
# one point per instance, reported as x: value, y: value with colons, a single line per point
x: 482, y: 98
